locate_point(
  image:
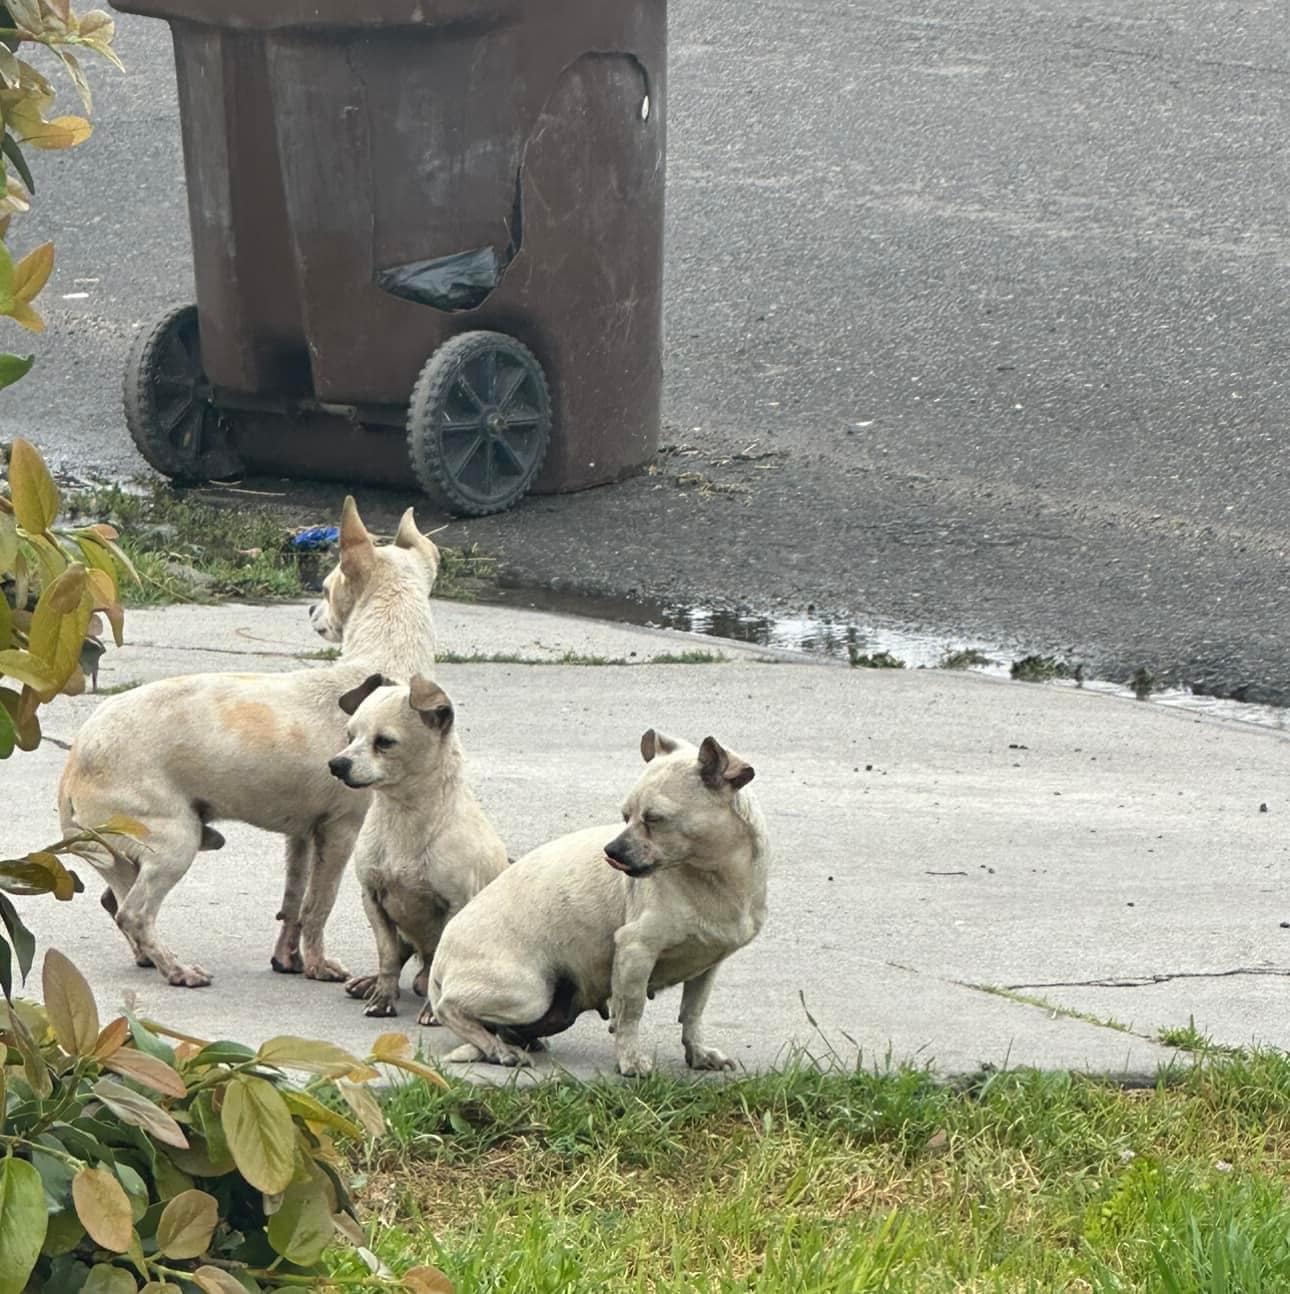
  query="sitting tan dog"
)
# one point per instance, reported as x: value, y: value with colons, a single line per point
x: 426, y: 848
x: 586, y: 923
x: 182, y: 753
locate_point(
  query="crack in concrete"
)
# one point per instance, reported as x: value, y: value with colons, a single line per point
x: 1145, y: 981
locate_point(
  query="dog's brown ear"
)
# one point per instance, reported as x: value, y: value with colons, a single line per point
x: 354, y: 698
x: 655, y: 743
x: 431, y: 702
x: 718, y: 767
x: 408, y: 536
x: 356, y: 547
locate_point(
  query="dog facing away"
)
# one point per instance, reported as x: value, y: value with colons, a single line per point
x: 426, y: 847
x: 589, y: 923
x: 182, y: 753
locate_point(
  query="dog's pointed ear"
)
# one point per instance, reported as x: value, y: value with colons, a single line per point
x: 431, y: 702
x: 718, y: 767
x: 408, y: 536
x: 356, y: 696
x: 655, y: 743
x: 356, y: 547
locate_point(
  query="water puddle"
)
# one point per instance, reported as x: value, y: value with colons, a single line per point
x: 841, y: 640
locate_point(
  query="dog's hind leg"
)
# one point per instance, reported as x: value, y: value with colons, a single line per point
x: 475, y: 1015
x: 120, y: 875
x: 479, y: 1043
x: 171, y: 846
x: 286, y: 959
x: 333, y: 842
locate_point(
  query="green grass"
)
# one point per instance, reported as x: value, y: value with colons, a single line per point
x: 964, y: 658
x: 1188, y: 1038
x: 1054, y: 1008
x: 1040, y: 669
x: 809, y: 1182
x: 873, y: 660
x: 187, y: 549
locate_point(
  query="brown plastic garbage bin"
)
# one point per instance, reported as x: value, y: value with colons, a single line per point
x: 427, y: 239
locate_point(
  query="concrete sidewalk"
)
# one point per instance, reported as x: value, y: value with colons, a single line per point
x: 937, y: 836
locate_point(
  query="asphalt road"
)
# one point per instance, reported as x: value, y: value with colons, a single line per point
x: 1004, y: 286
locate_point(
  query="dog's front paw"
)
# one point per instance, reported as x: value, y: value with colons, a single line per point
x: 380, y: 1005
x: 188, y: 977
x: 360, y: 986
x: 427, y: 1018
x: 292, y: 964
x: 328, y: 972
x: 706, y: 1058
x: 634, y: 1064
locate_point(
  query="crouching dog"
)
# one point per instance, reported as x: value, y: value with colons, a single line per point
x: 601, y: 919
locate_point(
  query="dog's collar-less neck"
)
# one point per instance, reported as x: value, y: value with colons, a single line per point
x: 395, y: 639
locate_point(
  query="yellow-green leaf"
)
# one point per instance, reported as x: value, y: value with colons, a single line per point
x: 34, y: 1068
x: 14, y: 367
x: 140, y: 1111
x: 70, y: 1004
x: 102, y: 589
x: 55, y: 135
x: 302, y: 1227
x: 98, y: 24
x: 147, y: 1070
x: 390, y: 1048
x: 8, y: 540
x: 119, y: 825
x: 23, y: 1221
x: 16, y: 662
x: 22, y: 312
x: 103, y: 1208
x: 34, y: 494
x: 313, y: 1111
x: 59, y: 623
x: 311, y: 1057
x: 26, y: 13
x: 187, y: 1225
x: 363, y: 1103
x: 420, y: 1069
x: 104, y: 1278
x: 212, y: 1280
x: 27, y: 725
x: 260, y: 1133
x: 40, y: 872
x: 33, y: 271
x: 111, y: 1038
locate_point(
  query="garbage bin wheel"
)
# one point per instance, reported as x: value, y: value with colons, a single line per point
x: 479, y: 423
x: 168, y: 406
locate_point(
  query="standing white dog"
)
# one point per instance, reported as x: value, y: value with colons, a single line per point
x: 426, y: 847
x: 182, y: 753
x: 588, y: 923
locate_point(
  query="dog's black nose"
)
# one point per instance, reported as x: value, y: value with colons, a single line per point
x: 616, y: 850
x: 340, y: 766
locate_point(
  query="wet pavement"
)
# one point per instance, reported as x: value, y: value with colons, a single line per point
x: 976, y: 320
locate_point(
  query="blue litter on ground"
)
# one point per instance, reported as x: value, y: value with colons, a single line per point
x: 315, y: 537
